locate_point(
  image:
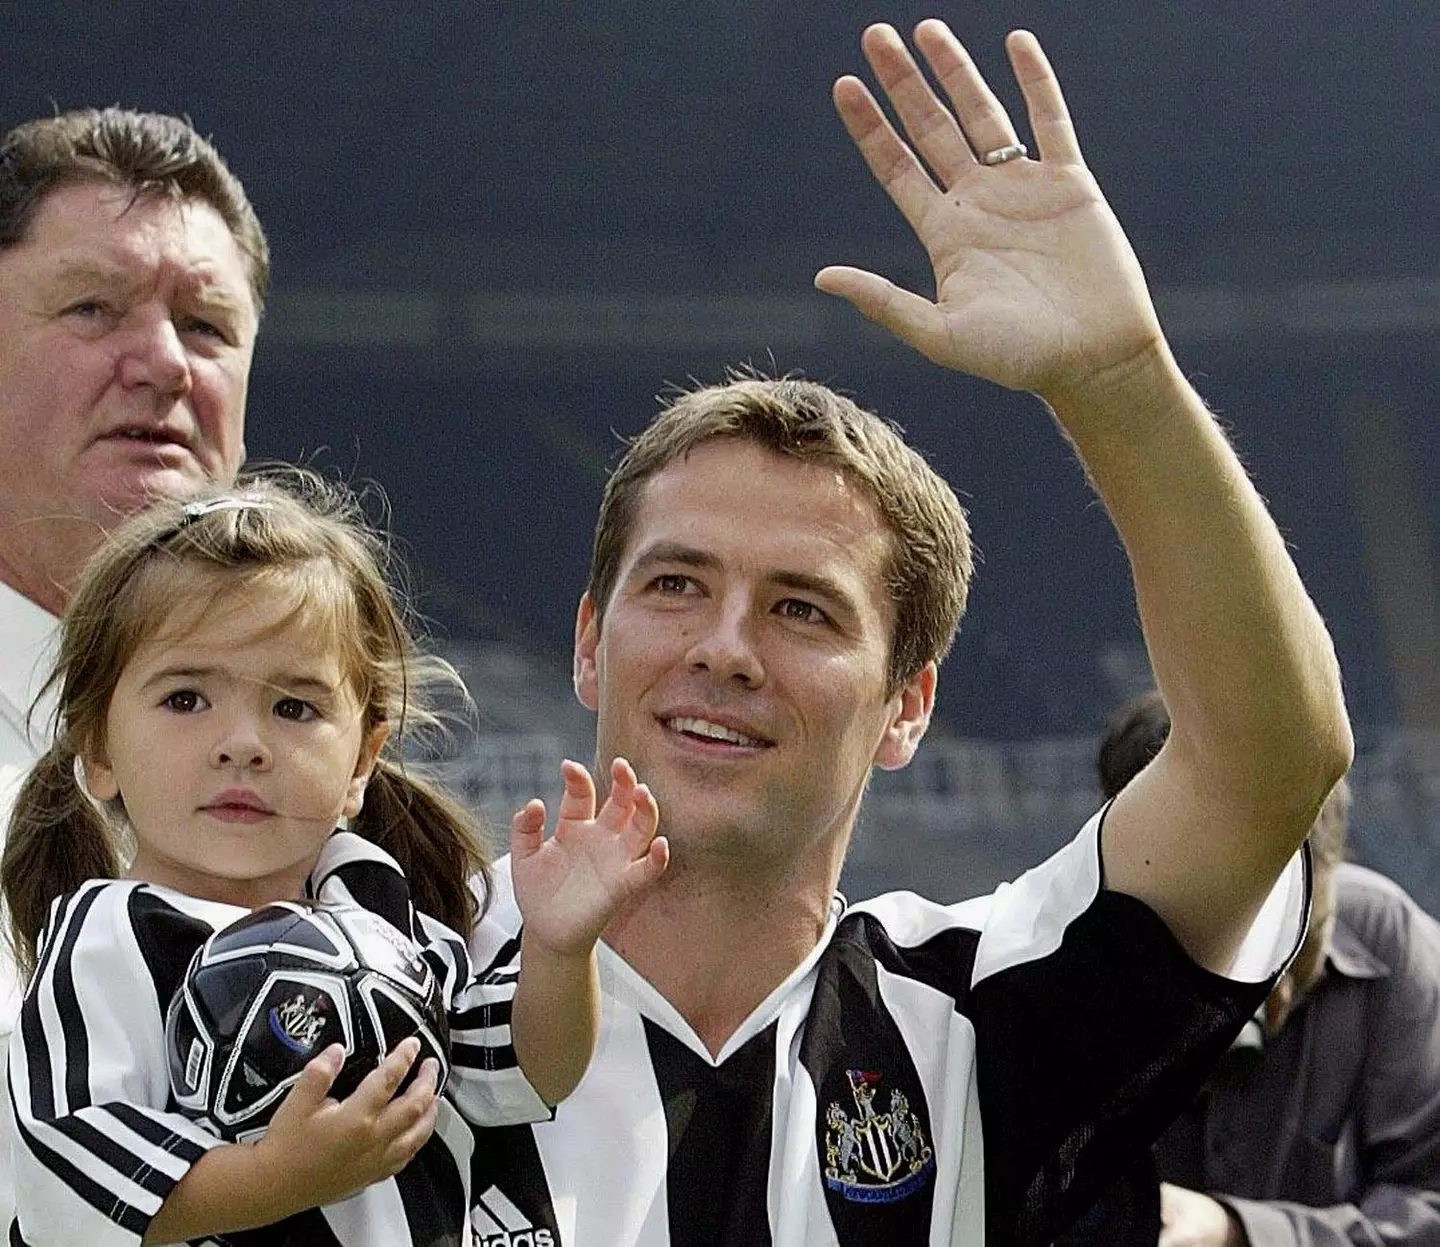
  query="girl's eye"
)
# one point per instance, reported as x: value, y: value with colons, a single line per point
x: 184, y: 701
x: 294, y: 709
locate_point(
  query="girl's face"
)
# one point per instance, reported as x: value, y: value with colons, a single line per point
x: 236, y: 743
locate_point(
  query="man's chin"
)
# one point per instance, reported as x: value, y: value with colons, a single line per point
x: 123, y: 496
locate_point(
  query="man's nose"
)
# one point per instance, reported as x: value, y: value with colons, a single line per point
x: 726, y: 647
x: 154, y: 356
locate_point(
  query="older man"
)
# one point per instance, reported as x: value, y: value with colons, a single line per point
x: 132, y: 275
x: 132, y: 270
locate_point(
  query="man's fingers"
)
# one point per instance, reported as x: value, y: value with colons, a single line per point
x: 906, y: 315
x: 933, y: 128
x: 1049, y: 116
x: 983, y: 117
x: 895, y: 166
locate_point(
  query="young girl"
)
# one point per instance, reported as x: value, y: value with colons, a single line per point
x: 234, y: 678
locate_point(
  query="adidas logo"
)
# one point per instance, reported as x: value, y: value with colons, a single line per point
x: 500, y: 1224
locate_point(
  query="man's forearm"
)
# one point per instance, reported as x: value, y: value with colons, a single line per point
x: 1248, y: 672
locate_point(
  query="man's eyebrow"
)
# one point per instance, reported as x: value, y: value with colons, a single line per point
x: 217, y: 294
x: 816, y: 585
x: 677, y: 554
x: 72, y: 271
x: 674, y: 552
x: 81, y: 269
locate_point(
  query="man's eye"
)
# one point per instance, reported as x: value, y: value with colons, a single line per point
x: 184, y: 701
x: 206, y: 328
x: 672, y: 582
x: 294, y: 709
x: 805, y: 612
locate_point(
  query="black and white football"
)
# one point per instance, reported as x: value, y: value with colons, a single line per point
x: 274, y: 989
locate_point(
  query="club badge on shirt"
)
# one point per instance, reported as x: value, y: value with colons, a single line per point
x: 873, y: 1156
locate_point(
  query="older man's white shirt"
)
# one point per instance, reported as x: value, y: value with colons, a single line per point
x: 27, y: 639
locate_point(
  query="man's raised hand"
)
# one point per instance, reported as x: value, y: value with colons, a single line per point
x: 1036, y: 286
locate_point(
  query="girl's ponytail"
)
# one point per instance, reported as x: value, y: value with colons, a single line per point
x: 57, y: 841
x: 433, y: 837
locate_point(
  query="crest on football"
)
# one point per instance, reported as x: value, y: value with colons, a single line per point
x: 266, y: 994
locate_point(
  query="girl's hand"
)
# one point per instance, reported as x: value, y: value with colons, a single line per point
x: 570, y: 886
x: 324, y: 1149
x: 316, y: 1151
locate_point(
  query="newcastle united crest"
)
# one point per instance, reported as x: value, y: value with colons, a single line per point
x: 872, y: 1156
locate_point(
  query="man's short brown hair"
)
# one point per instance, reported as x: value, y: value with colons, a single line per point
x: 152, y: 153
x: 930, y: 561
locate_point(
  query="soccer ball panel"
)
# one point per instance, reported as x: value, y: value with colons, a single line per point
x: 295, y: 1018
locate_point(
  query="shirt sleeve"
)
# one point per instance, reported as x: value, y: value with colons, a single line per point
x: 486, y: 1083
x: 95, y: 1152
x: 1094, y: 1028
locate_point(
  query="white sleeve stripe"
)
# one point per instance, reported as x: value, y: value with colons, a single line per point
x: 481, y: 1037
x: 111, y: 1153
x: 62, y: 1075
x: 78, y: 1179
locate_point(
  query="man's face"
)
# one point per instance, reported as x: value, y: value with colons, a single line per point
x: 126, y: 333
x: 742, y: 665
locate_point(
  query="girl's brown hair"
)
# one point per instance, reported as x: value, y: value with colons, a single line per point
x: 287, y: 530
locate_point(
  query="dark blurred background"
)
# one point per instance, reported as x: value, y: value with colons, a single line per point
x: 501, y: 229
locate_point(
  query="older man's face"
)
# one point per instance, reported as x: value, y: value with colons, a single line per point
x: 126, y: 333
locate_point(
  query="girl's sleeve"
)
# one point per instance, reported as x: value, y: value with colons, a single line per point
x: 95, y: 1151
x: 486, y: 1082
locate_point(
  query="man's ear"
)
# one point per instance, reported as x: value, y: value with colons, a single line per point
x: 587, y: 642
x: 364, y: 767
x: 909, y: 717
x: 100, y: 781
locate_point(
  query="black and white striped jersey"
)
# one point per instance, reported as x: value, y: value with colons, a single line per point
x: 930, y: 1075
x: 96, y: 1140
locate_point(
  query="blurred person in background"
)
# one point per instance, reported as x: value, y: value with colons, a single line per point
x: 132, y: 276
x: 776, y: 577
x: 1321, y: 1125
